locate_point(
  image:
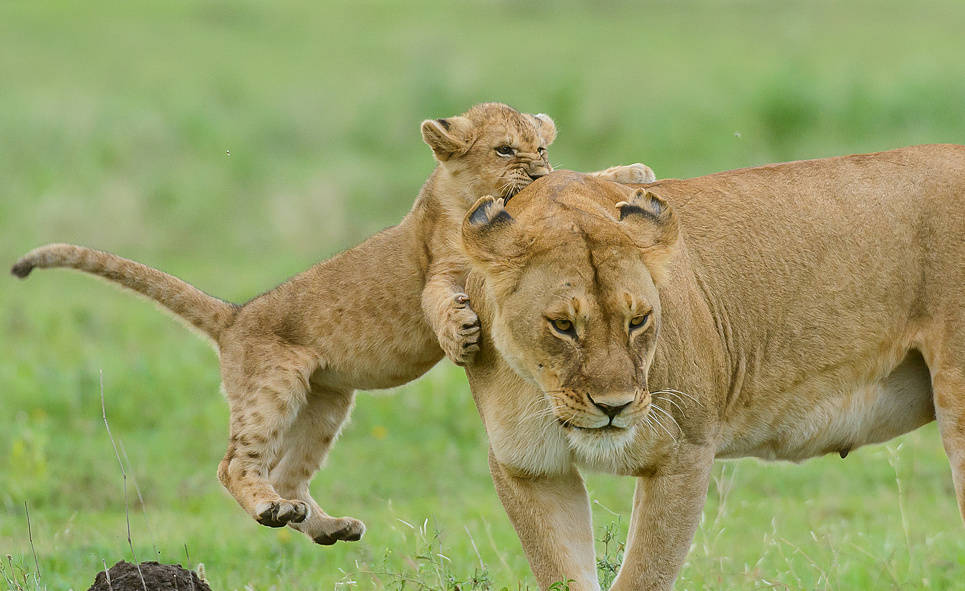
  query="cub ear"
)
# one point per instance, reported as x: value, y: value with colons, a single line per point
x: 490, y: 236
x: 448, y: 137
x: 545, y: 127
x: 652, y: 225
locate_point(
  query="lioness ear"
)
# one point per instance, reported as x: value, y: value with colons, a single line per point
x: 652, y: 225
x: 490, y: 236
x: 448, y: 137
x: 545, y: 127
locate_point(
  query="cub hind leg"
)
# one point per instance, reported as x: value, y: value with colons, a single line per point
x: 266, y: 385
x: 305, y: 448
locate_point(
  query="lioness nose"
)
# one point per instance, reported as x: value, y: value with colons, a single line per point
x: 610, y: 410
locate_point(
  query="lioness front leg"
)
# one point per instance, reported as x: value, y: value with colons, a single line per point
x: 631, y: 174
x: 447, y: 309
x: 666, y: 511
x: 551, y: 515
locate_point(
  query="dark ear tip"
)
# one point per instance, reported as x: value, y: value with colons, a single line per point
x: 628, y: 209
x: 643, y: 203
x: 444, y: 123
x: 488, y: 211
x: 478, y: 214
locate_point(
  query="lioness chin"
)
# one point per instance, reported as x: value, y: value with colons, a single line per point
x: 292, y: 358
x: 783, y: 312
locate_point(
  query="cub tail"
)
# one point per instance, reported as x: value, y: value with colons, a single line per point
x: 206, y: 313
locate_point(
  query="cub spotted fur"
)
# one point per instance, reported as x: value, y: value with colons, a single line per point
x: 292, y: 358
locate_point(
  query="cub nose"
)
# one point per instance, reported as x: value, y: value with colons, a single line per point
x: 610, y: 410
x: 536, y: 175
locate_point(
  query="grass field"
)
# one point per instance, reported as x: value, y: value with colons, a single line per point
x: 235, y: 143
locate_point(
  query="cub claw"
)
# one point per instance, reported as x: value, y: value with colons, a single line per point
x: 459, y: 335
x: 281, y: 513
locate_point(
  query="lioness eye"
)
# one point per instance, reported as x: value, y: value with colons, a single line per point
x: 541, y: 150
x: 563, y: 325
x: 505, y: 150
x: 638, y: 321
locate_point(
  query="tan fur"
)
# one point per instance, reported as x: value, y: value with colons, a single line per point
x: 292, y: 358
x: 796, y: 310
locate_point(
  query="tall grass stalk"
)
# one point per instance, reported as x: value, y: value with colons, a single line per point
x: 127, y: 505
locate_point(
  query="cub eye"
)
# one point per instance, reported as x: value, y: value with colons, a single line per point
x: 638, y: 321
x: 564, y: 326
x: 541, y: 150
x: 505, y: 151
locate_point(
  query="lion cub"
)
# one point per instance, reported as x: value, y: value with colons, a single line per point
x: 375, y: 316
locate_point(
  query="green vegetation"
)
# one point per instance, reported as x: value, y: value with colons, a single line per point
x: 235, y: 143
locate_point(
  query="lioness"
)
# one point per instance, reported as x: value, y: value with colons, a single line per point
x: 783, y: 312
x: 371, y: 317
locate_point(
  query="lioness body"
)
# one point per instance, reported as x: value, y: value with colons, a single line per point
x: 792, y: 310
x: 375, y: 316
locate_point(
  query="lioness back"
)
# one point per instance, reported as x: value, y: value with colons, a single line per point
x: 785, y: 311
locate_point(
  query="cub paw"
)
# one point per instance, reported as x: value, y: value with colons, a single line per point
x: 281, y: 512
x: 633, y: 174
x: 345, y: 529
x: 459, y: 333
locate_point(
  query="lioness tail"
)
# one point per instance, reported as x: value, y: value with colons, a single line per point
x: 207, y: 313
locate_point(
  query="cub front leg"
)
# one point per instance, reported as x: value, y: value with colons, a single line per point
x: 632, y: 174
x: 447, y: 309
x: 666, y: 511
x: 551, y: 515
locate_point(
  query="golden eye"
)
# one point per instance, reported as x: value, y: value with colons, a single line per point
x: 638, y: 321
x: 562, y: 325
x: 505, y: 151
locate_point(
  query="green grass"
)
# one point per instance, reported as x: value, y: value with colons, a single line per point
x: 235, y: 143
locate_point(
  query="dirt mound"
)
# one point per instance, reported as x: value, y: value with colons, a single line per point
x: 157, y: 577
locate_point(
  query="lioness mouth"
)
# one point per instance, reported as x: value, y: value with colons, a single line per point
x: 604, y: 429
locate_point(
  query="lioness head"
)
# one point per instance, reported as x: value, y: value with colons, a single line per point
x: 570, y: 274
x: 491, y: 149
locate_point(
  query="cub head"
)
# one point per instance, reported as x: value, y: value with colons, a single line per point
x: 570, y: 277
x: 492, y: 149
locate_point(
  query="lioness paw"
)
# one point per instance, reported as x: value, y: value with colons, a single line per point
x: 459, y: 332
x: 631, y: 174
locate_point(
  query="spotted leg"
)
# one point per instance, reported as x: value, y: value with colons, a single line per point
x: 306, y: 446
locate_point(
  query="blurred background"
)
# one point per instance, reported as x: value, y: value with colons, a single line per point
x: 236, y: 143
